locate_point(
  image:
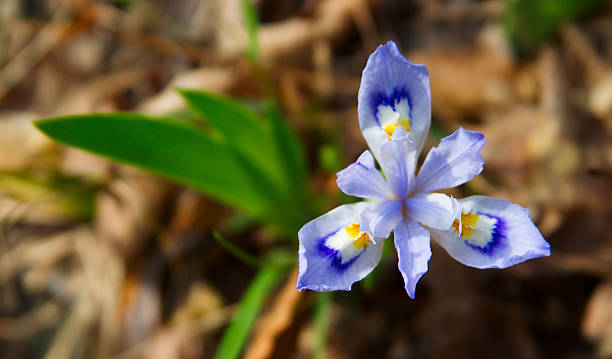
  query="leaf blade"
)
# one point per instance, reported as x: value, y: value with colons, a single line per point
x: 251, y: 23
x: 236, y: 335
x: 240, y: 127
x: 169, y: 148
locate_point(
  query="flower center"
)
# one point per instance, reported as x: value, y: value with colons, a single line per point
x: 391, y: 116
x: 478, y: 230
x: 390, y: 127
x: 361, y: 239
x: 344, y: 246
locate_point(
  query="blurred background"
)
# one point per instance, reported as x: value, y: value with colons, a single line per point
x: 100, y: 260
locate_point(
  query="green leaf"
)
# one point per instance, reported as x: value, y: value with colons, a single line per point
x: 529, y: 23
x: 269, y: 146
x: 251, y: 23
x: 289, y: 153
x: 288, y: 148
x: 233, y: 120
x: 330, y: 158
x: 53, y: 193
x: 321, y: 323
x: 236, y: 335
x: 236, y: 251
x: 239, y: 127
x: 173, y: 149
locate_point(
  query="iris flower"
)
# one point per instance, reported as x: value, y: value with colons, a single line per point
x: 345, y: 244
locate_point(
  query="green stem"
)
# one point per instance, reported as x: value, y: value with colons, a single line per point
x: 321, y: 323
x: 237, y: 252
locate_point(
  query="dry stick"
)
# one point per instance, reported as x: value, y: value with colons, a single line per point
x: 166, y: 46
x: 272, y: 324
x: 43, y: 316
x: 435, y: 10
x: 73, y: 329
x: 202, y: 325
x: 362, y: 15
x: 32, y: 53
x: 580, y: 46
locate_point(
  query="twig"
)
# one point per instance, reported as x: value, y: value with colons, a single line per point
x: 32, y: 53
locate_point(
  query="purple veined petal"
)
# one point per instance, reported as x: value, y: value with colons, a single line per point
x: 413, y: 251
x: 495, y: 234
x: 362, y: 179
x: 456, y: 160
x: 334, y: 252
x: 435, y: 210
x: 398, y: 162
x: 394, y: 92
x: 381, y: 217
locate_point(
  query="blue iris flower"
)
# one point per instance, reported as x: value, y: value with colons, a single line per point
x: 345, y: 244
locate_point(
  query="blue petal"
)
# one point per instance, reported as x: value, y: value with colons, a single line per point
x: 455, y: 161
x: 435, y: 210
x: 362, y: 179
x: 496, y: 234
x: 381, y: 217
x: 330, y: 258
x: 398, y: 161
x: 401, y: 88
x: 413, y: 252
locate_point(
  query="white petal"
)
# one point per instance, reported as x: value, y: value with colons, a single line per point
x: 456, y: 160
x: 393, y: 90
x: 331, y: 255
x: 496, y: 234
x: 435, y: 210
x: 413, y: 252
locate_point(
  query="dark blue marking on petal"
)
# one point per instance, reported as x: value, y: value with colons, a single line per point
x: 362, y: 166
x: 382, y: 98
x: 498, y: 241
x: 334, y: 255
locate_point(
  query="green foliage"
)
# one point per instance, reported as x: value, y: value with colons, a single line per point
x: 236, y: 251
x: 321, y: 323
x: 170, y: 148
x: 237, y: 333
x: 437, y: 132
x: 529, y: 23
x: 121, y: 4
x: 288, y: 151
x: 53, y: 193
x: 222, y: 148
x: 330, y: 158
x: 237, y: 126
x: 249, y: 14
x: 268, y: 144
x: 251, y: 163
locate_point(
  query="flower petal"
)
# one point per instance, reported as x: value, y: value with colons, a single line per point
x: 496, y: 234
x: 413, y: 252
x: 435, y: 210
x: 362, y: 179
x: 334, y: 252
x: 455, y: 161
x: 398, y: 161
x: 394, y: 92
x: 381, y: 217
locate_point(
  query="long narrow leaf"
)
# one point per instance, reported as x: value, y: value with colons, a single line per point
x: 251, y: 23
x: 170, y: 148
x: 236, y: 335
x: 321, y: 323
x: 236, y: 251
x: 289, y: 153
x: 288, y: 147
x: 239, y: 127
